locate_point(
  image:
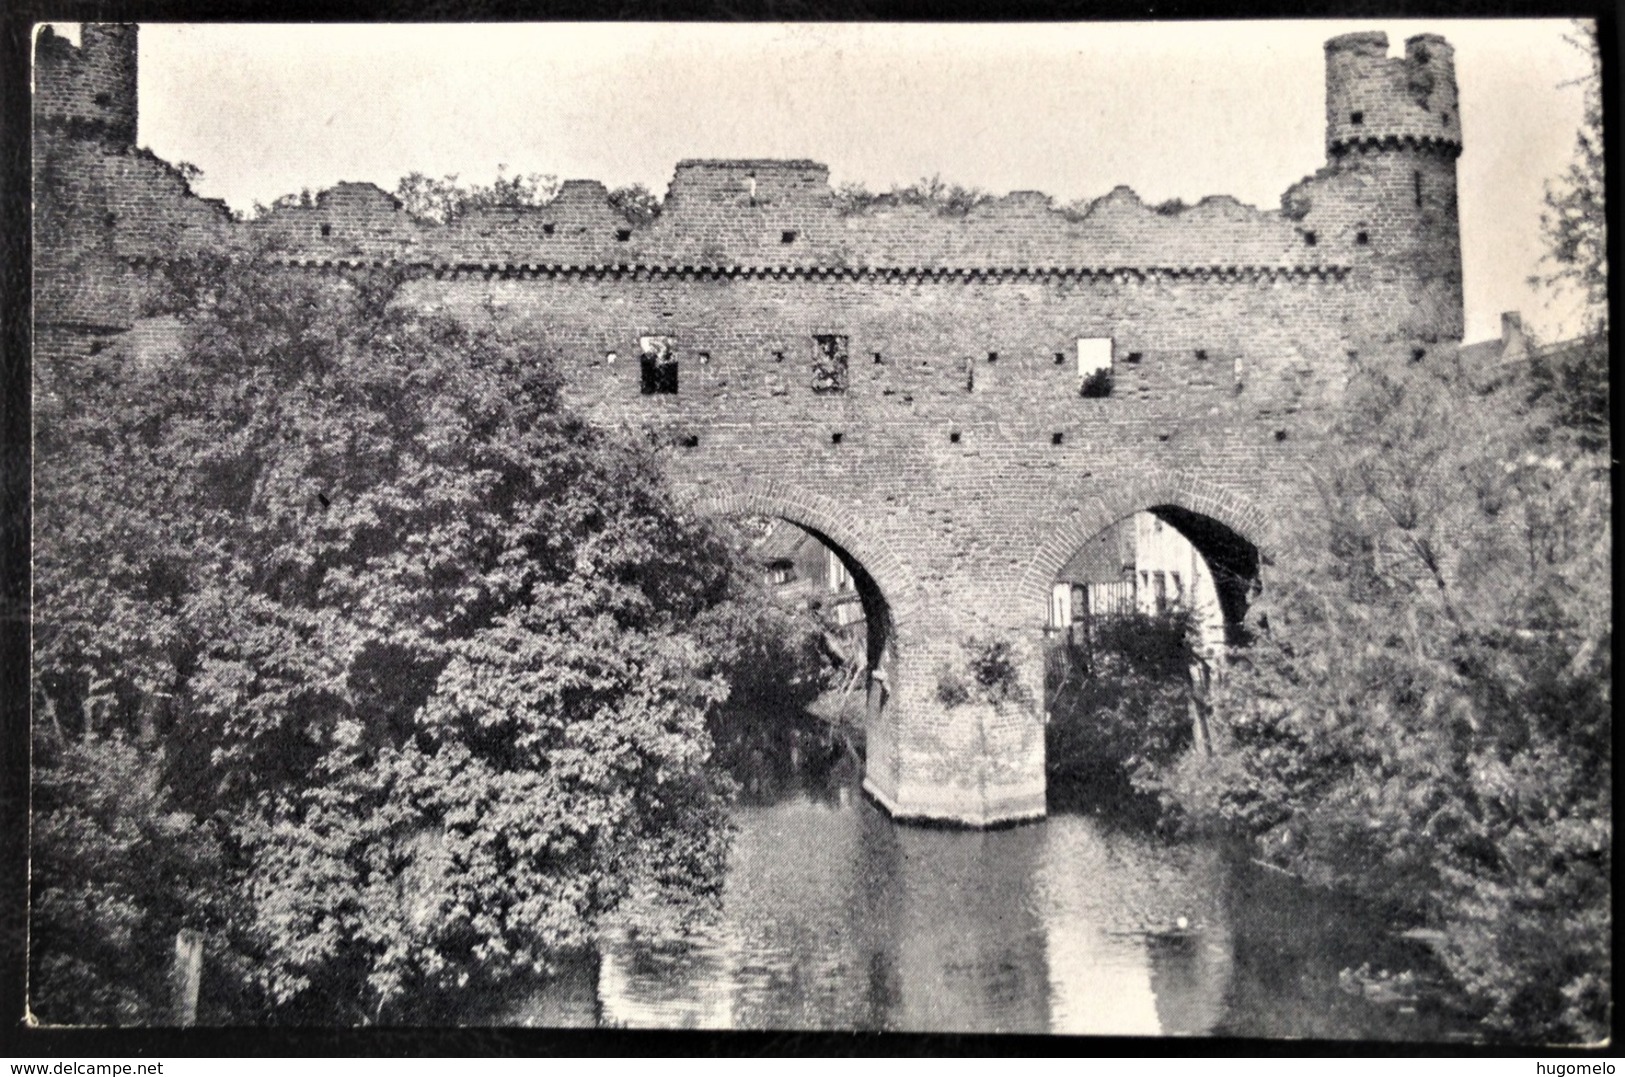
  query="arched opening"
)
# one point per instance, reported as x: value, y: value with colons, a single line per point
x: 1143, y: 614
x: 812, y: 742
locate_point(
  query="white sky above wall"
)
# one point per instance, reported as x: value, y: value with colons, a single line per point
x: 1173, y: 110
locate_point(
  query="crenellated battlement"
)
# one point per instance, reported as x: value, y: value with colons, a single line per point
x: 921, y: 384
x: 713, y: 219
x: 1376, y: 99
x: 89, y: 88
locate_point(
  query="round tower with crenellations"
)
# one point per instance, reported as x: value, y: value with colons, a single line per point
x: 85, y: 115
x: 89, y: 89
x: 1386, y: 199
x: 1393, y: 133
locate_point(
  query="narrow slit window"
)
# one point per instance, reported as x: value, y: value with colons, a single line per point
x: 658, y: 366
x: 1416, y: 182
x: 829, y: 363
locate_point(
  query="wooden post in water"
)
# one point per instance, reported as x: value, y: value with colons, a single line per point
x: 185, y: 976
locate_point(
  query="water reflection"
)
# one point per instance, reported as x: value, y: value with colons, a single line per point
x: 834, y: 918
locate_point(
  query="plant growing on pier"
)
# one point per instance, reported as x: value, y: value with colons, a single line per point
x: 991, y: 674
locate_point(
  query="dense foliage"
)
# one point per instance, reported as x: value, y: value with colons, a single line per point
x: 409, y: 645
x: 1120, y: 705
x: 443, y: 200
x: 1426, y: 718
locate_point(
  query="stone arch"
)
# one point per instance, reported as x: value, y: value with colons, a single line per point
x: 829, y: 520
x: 1148, y: 489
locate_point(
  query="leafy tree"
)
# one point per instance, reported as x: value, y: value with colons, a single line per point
x: 1575, y: 377
x: 444, y: 200
x: 117, y: 871
x: 414, y: 640
x: 1575, y: 222
x: 1425, y: 719
x: 942, y: 198
x: 636, y: 203
x: 1120, y: 705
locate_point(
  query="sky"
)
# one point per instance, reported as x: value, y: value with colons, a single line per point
x: 1072, y: 109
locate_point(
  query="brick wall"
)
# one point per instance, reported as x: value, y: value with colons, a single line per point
x: 959, y: 468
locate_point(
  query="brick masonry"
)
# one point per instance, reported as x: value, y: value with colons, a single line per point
x: 967, y: 467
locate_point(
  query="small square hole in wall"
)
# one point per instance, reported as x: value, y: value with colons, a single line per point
x: 835, y: 438
x: 1060, y: 358
x: 993, y: 357
x: 327, y: 229
x: 878, y: 358
x: 1201, y: 354
x: 1310, y: 238
x: 1357, y: 118
x: 1280, y: 435
x: 1418, y: 354
x: 1362, y: 238
x: 787, y: 236
x: 953, y: 436
x: 623, y: 234
x: 547, y: 229
x: 1056, y: 438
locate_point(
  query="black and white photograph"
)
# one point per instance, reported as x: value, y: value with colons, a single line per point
x: 1073, y: 529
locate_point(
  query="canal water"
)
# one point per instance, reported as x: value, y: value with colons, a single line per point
x: 833, y: 917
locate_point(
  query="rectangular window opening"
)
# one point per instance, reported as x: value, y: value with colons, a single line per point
x: 1357, y: 118
x: 1310, y: 239
x: 787, y: 236
x: 1362, y: 238
x: 1416, y: 180
x: 690, y: 441
x: 1056, y: 438
x: 1060, y: 358
x: 327, y: 229
x: 878, y: 359
x: 623, y: 234
x: 1094, y: 366
x: 835, y: 438
x: 829, y: 363
x: 993, y: 357
x: 953, y: 436
x: 547, y: 229
x: 658, y: 365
